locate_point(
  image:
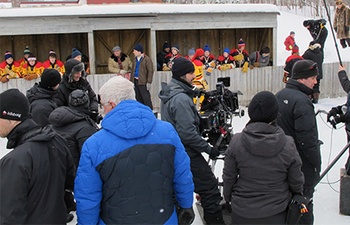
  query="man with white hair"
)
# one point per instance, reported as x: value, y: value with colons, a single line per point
x: 131, y: 170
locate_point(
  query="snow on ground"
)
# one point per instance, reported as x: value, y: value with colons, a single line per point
x: 326, y: 197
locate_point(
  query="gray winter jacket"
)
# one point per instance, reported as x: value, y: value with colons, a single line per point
x: 177, y: 108
x: 262, y: 169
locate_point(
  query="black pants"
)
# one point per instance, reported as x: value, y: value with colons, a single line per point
x: 205, y: 183
x: 344, y: 41
x: 277, y: 219
x: 142, y: 94
x: 317, y: 86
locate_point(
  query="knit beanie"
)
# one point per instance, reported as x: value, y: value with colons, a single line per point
x: 304, y: 69
x: 176, y: 47
x: 75, y: 53
x: 26, y: 51
x: 138, y: 47
x: 206, y: 48
x: 52, y: 53
x: 263, y: 107
x: 191, y: 51
x: 227, y: 50
x: 292, y: 32
x: 241, y: 43
x: 116, y: 48
x: 14, y: 105
x: 31, y: 57
x: 79, y: 99
x: 50, y: 78
x: 199, y: 52
x: 181, y: 66
x: 8, y: 55
x: 295, y: 49
x: 166, y: 45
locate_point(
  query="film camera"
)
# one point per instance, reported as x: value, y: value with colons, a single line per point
x: 217, y: 110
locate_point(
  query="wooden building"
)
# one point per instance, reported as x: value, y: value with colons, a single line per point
x: 96, y: 29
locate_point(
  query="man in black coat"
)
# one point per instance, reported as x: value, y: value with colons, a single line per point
x: 75, y: 78
x: 318, y: 31
x: 41, y: 96
x: 314, y: 53
x: 34, y: 175
x: 298, y: 120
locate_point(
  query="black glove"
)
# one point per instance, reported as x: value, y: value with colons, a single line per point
x: 185, y: 216
x: 340, y: 118
x: 299, y: 199
x: 96, y: 117
x: 333, y: 112
x: 214, y: 153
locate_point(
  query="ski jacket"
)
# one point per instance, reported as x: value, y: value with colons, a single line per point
x: 41, y: 104
x: 65, y: 88
x: 34, y: 175
x: 289, y: 42
x: 145, y: 70
x: 177, y: 107
x: 290, y: 63
x: 298, y: 120
x: 261, y: 172
x: 58, y: 65
x: 75, y: 126
x: 132, y: 169
x: 114, y: 66
x: 314, y: 53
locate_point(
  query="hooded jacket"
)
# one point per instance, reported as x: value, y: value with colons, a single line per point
x: 75, y: 126
x: 34, y: 175
x: 177, y: 107
x: 262, y: 169
x: 41, y: 104
x: 67, y: 87
x: 298, y: 121
x: 131, y: 170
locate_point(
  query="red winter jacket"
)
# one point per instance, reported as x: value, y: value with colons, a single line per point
x: 289, y: 43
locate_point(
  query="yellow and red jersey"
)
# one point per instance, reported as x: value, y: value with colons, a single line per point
x: 32, y: 72
x: 12, y: 71
x: 58, y: 65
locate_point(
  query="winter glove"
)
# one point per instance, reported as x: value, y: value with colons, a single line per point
x: 239, y: 57
x: 256, y: 64
x: 290, y: 47
x: 4, y: 79
x: 31, y: 76
x: 245, y: 67
x: 285, y: 77
x: 214, y: 153
x: 251, y: 67
x: 96, y: 117
x: 209, y: 71
x: 148, y: 86
x: 185, y: 216
x: 165, y: 68
x: 122, y: 72
x: 333, y: 112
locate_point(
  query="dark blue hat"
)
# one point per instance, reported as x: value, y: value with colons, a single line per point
x: 166, y: 45
x: 206, y: 48
x: 138, y: 47
x: 75, y: 53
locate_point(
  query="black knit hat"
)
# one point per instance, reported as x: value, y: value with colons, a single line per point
x: 79, y: 99
x: 263, y: 107
x: 304, y: 69
x: 14, y: 105
x: 50, y: 78
x: 181, y: 66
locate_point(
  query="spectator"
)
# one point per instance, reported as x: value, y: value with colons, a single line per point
x: 177, y: 107
x: 289, y: 42
x: 318, y: 31
x: 136, y: 172
x: 142, y: 75
x: 199, y: 81
x: 54, y: 63
x: 34, y: 175
x: 190, y: 54
x: 298, y: 121
x: 314, y: 53
x: 9, y: 69
x: 75, y: 78
x: 225, y: 61
x: 161, y: 56
x: 33, y: 69
x: 208, y: 61
x: 290, y: 62
x: 119, y: 63
x: 26, y: 53
x: 241, y: 56
x: 262, y: 168
x: 169, y: 58
x: 341, y: 23
x: 41, y: 96
x: 260, y: 58
x: 76, y: 54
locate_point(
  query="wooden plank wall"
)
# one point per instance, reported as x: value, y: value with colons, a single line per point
x: 259, y: 79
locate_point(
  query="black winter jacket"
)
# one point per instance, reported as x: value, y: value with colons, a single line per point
x: 315, y: 54
x: 297, y: 119
x: 65, y: 88
x: 177, y: 107
x: 41, y: 104
x: 34, y: 176
x: 75, y: 126
x: 262, y: 169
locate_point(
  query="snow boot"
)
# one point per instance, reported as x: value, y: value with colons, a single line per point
x: 69, y: 217
x: 343, y: 43
x: 214, y: 218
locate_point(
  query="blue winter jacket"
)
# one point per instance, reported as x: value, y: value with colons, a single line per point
x: 132, y: 169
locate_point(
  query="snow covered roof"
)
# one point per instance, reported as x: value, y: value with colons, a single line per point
x: 133, y: 9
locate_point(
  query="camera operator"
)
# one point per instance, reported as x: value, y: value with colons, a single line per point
x: 177, y: 107
x: 341, y: 113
